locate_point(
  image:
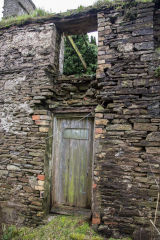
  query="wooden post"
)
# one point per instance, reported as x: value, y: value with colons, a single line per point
x: 77, y: 51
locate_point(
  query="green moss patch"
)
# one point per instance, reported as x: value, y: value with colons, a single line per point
x: 60, y: 228
x: 157, y: 72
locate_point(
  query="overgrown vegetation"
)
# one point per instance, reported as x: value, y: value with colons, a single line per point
x: 110, y: 3
x: 88, y: 49
x: 60, y: 228
x: 120, y: 239
x: 40, y: 13
x: 23, y: 18
x: 157, y: 72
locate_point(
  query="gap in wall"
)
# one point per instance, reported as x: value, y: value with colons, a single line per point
x: 87, y: 47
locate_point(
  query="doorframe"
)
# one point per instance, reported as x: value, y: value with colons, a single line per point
x: 52, y: 165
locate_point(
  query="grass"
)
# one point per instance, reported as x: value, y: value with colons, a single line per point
x: 144, y: 1
x: 110, y: 3
x: 40, y: 13
x: 60, y: 228
x: 101, y: 3
x: 6, y: 22
x: 120, y: 239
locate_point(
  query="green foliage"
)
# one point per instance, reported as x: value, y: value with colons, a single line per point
x: 88, y: 49
x: 5, y: 22
x: 78, y: 236
x: 110, y: 3
x: 40, y: 12
x: 120, y: 239
x: 60, y: 228
x: 144, y: 1
x: 157, y: 50
x: 101, y: 3
x: 80, y: 8
x: 157, y: 72
x: 9, y: 233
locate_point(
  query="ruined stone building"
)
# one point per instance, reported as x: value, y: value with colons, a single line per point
x: 17, y: 7
x: 86, y: 144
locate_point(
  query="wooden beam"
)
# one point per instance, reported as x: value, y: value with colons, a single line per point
x: 77, y: 51
x: 86, y: 43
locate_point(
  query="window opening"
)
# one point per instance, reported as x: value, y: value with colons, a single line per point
x: 80, y: 54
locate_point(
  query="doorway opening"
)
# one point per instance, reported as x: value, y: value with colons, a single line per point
x: 72, y: 151
x: 72, y: 163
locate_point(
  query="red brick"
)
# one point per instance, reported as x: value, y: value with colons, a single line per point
x: 96, y: 215
x: 96, y: 220
x: 41, y: 177
x: 99, y: 130
x: 42, y: 122
x: 35, y: 117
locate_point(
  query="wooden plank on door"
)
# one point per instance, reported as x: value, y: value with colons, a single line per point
x: 73, y: 162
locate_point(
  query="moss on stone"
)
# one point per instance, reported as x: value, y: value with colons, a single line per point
x: 99, y: 108
x: 157, y: 50
x: 157, y: 72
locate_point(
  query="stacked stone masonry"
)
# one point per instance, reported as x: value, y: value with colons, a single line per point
x: 26, y: 52
x: 124, y: 98
x: 127, y: 158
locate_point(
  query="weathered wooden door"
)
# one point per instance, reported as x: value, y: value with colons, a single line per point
x: 73, y: 146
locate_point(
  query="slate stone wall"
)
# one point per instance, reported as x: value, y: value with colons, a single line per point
x: 30, y: 92
x: 25, y: 54
x: 17, y: 7
x: 157, y: 26
x: 124, y: 99
x: 128, y: 126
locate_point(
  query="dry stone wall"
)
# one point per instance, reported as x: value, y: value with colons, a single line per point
x: 30, y: 90
x: 25, y: 54
x: 128, y: 126
x: 157, y: 26
x: 124, y: 98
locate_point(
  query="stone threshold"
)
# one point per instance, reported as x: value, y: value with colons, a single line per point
x: 71, y: 211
